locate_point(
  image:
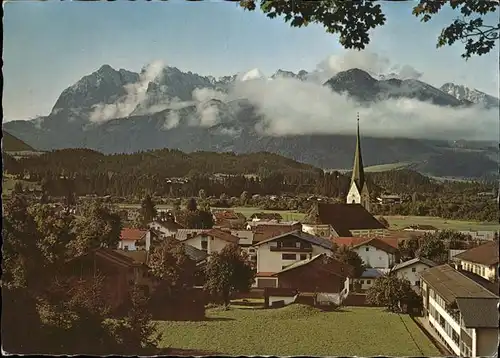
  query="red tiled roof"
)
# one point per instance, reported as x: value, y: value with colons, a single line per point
x: 132, y: 234
x: 346, y: 217
x: 225, y: 215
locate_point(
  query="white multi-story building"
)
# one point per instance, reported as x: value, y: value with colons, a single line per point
x: 461, y: 312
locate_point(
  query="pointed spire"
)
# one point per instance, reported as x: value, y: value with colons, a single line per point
x: 358, y: 174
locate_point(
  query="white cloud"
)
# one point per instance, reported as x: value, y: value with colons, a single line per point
x: 136, y: 94
x: 292, y: 107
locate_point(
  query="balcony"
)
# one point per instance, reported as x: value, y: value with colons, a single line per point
x: 290, y: 249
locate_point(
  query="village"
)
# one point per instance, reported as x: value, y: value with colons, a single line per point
x: 340, y: 256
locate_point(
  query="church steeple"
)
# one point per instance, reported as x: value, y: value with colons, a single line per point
x: 358, y: 173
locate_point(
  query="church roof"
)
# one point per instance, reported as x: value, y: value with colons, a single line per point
x: 346, y: 217
x: 358, y: 173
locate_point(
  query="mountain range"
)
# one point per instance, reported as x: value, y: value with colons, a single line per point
x: 119, y: 111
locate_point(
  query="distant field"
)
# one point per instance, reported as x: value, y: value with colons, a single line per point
x: 288, y: 215
x: 301, y: 330
x: 399, y: 222
x: 387, y: 167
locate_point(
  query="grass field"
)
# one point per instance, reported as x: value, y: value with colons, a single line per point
x: 399, y: 222
x: 301, y: 330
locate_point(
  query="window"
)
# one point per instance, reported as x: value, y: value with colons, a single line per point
x: 367, y: 249
x: 125, y: 247
x: 362, y: 281
x: 303, y: 256
x: 289, y: 256
x: 417, y: 283
x: 204, y: 245
x: 368, y: 282
x: 414, y: 269
x: 482, y: 271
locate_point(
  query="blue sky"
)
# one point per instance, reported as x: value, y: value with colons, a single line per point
x: 50, y: 45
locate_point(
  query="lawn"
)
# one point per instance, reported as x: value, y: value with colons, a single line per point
x: 399, y: 222
x: 301, y: 330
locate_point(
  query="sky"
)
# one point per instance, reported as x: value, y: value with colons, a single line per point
x: 49, y: 46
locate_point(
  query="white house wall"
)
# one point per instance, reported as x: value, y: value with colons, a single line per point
x: 271, y: 261
x: 163, y: 230
x: 129, y: 243
x: 374, y: 257
x: 214, y: 244
x: 408, y: 274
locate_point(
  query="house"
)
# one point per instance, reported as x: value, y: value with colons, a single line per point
x: 375, y: 252
x: 228, y: 218
x: 345, y: 220
x: 130, y: 237
x: 410, y: 270
x: 319, y: 274
x: 485, y: 235
x: 368, y: 278
x: 421, y: 228
x: 246, y: 241
x: 119, y: 272
x: 358, y: 191
x: 389, y: 199
x: 482, y: 260
x: 278, y: 252
x: 211, y: 241
x: 460, y: 311
x: 266, y: 216
x: 167, y: 228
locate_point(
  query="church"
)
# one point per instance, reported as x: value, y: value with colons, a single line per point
x: 358, y: 191
x: 350, y: 219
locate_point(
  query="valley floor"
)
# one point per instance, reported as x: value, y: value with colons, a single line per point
x: 301, y: 330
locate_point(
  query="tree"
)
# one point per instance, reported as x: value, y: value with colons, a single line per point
x: 228, y: 271
x: 244, y: 198
x: 432, y: 248
x: 352, y: 20
x: 391, y: 291
x: 192, y: 205
x: 350, y: 257
x: 408, y: 248
x: 97, y: 226
x: 137, y: 331
x: 148, y: 210
x: 170, y: 264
